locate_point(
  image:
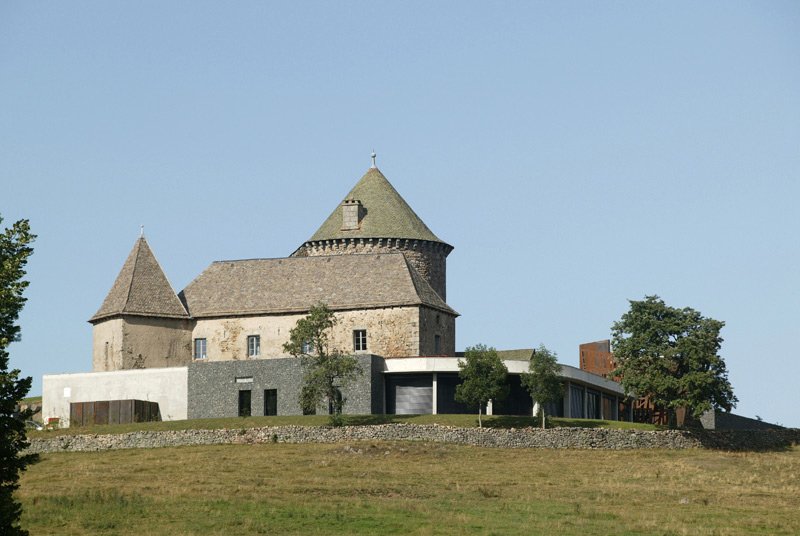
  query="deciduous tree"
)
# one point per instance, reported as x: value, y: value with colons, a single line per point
x: 543, y: 379
x: 14, y: 252
x: 672, y: 357
x: 326, y: 370
x: 483, y: 377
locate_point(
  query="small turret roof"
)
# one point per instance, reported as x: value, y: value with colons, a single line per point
x: 387, y: 215
x: 141, y: 289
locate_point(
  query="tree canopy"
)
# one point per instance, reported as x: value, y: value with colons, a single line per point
x: 543, y: 379
x: 326, y: 370
x: 672, y: 357
x: 14, y: 252
x: 483, y: 377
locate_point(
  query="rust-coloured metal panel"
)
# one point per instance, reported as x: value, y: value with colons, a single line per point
x: 596, y: 357
x: 88, y: 413
x: 75, y: 414
x: 113, y: 412
x: 125, y: 411
x: 101, y: 412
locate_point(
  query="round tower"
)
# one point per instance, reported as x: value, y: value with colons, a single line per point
x: 374, y: 218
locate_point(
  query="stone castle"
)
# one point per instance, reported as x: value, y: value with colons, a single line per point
x: 373, y: 262
x: 215, y: 349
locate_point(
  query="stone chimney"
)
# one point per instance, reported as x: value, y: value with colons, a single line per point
x: 351, y: 214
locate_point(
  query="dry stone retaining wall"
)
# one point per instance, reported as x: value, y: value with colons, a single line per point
x: 557, y: 438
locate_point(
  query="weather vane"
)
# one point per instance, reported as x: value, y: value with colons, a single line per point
x: 373, y: 155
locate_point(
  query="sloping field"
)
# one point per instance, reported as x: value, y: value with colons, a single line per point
x: 411, y: 488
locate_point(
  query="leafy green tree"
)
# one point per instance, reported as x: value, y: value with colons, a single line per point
x: 326, y: 371
x: 14, y: 252
x: 672, y: 357
x: 483, y: 377
x: 543, y: 379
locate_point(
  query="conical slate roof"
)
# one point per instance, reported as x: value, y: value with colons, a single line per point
x: 141, y: 289
x: 387, y: 214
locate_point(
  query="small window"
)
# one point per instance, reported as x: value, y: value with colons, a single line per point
x: 308, y: 347
x: 437, y: 345
x: 253, y: 345
x: 200, y: 349
x: 360, y: 340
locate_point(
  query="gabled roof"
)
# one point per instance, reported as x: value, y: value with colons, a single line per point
x: 141, y: 289
x: 295, y: 284
x: 387, y: 214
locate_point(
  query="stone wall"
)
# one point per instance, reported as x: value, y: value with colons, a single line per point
x: 213, y: 387
x: 134, y: 342
x: 391, y: 332
x: 432, y: 323
x: 566, y: 438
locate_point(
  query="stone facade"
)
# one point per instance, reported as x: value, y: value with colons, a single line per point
x: 134, y: 342
x: 213, y: 388
x: 435, y: 324
x: 391, y: 332
x: 428, y: 258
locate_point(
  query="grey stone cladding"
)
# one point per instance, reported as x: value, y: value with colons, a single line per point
x: 213, y: 387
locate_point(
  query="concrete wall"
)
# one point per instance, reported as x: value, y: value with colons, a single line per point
x: 213, y: 387
x: 167, y: 386
x: 134, y: 342
x: 391, y: 332
x: 720, y: 420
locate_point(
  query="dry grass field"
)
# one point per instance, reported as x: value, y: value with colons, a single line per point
x: 411, y: 488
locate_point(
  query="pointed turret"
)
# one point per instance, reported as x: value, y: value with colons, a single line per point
x: 374, y: 218
x: 384, y: 214
x: 142, y: 323
x: 141, y: 289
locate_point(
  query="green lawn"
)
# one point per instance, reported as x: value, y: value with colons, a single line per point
x: 322, y: 420
x: 413, y: 488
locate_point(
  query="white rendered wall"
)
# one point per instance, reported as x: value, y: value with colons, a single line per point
x: 167, y: 386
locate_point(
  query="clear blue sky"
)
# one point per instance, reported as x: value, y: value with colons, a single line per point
x: 577, y: 155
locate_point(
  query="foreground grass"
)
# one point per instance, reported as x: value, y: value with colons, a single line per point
x: 467, y: 421
x: 411, y: 488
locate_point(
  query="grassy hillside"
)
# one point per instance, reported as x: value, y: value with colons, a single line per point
x: 411, y: 488
x: 322, y: 420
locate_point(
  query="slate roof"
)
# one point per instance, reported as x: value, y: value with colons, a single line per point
x: 294, y: 284
x: 387, y: 214
x: 141, y: 288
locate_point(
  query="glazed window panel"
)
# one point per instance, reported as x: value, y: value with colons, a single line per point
x: 360, y: 340
x: 253, y: 346
x: 200, y: 349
